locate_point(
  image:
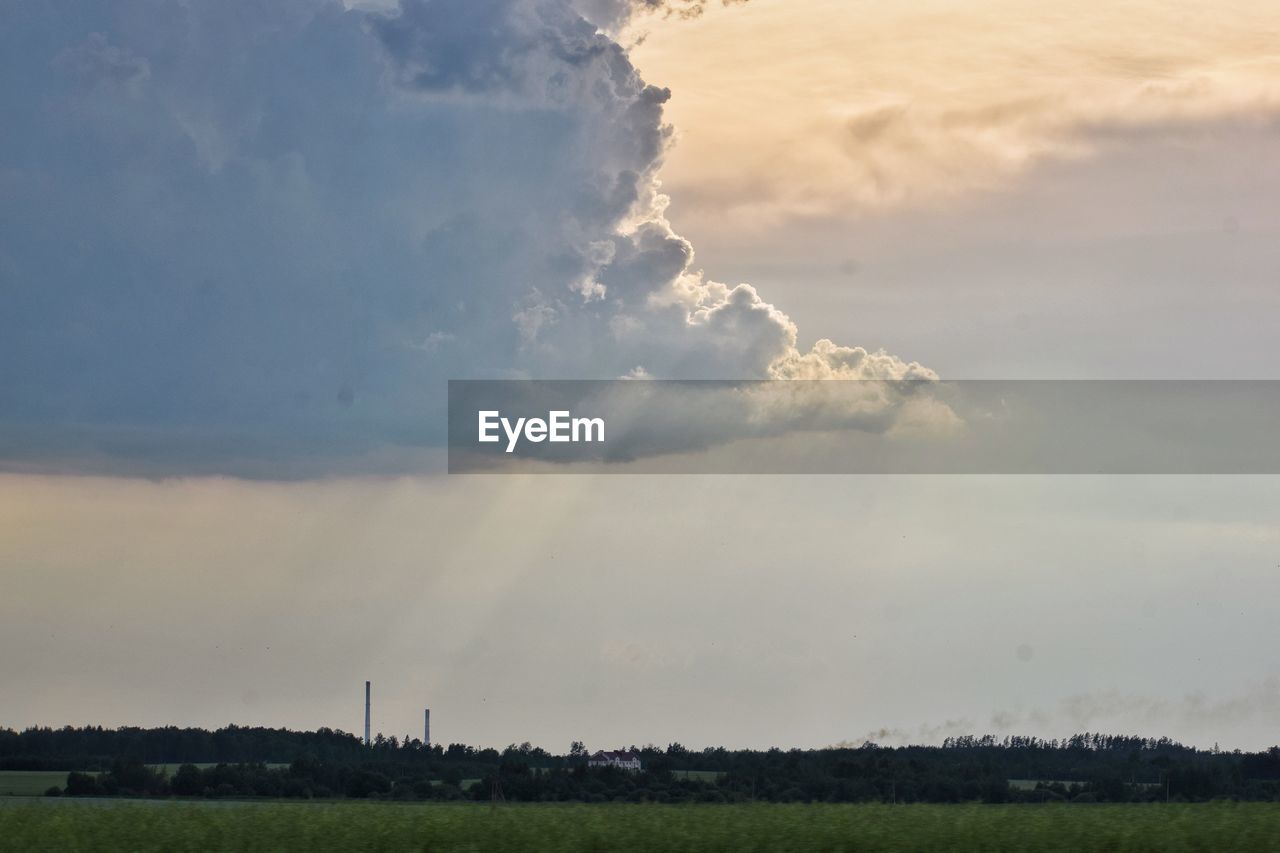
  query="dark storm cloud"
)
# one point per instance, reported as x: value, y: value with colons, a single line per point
x: 483, y: 47
x: 244, y: 235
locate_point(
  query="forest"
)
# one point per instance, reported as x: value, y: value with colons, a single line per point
x: 243, y: 762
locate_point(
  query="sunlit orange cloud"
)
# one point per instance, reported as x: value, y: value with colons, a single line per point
x: 812, y: 107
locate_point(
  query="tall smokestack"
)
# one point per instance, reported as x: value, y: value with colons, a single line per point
x: 426, y: 727
x: 367, y: 741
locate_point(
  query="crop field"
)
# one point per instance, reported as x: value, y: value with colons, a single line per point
x: 61, y: 825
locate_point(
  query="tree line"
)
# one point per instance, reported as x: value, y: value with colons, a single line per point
x: 274, y: 763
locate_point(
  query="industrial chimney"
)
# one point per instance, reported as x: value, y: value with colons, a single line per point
x: 367, y: 741
x: 426, y: 727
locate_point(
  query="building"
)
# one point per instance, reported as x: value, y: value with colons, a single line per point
x: 621, y: 760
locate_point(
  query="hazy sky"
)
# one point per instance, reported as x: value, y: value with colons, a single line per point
x: 243, y: 245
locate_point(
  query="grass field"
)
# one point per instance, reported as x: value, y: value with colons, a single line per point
x: 30, y: 783
x: 54, y: 825
x: 171, y: 769
x: 700, y: 775
x: 33, y: 783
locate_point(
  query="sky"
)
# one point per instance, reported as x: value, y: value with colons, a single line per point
x: 997, y: 190
x: 244, y: 245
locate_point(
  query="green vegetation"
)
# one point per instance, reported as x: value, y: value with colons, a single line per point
x: 240, y: 763
x: 29, y: 783
x: 172, y: 768
x: 52, y: 825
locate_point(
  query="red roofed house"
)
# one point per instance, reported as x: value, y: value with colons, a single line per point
x: 621, y: 760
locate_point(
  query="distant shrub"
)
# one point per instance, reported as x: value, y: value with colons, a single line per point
x: 82, y: 785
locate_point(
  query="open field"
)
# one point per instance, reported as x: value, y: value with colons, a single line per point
x: 1030, y: 784
x: 172, y: 768
x: 33, y: 783
x: 30, y: 783
x: 54, y: 825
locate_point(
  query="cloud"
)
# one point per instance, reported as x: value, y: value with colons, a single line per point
x: 97, y: 60
x: 890, y: 106
x: 528, y: 49
x: 235, y: 233
x: 612, y: 15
